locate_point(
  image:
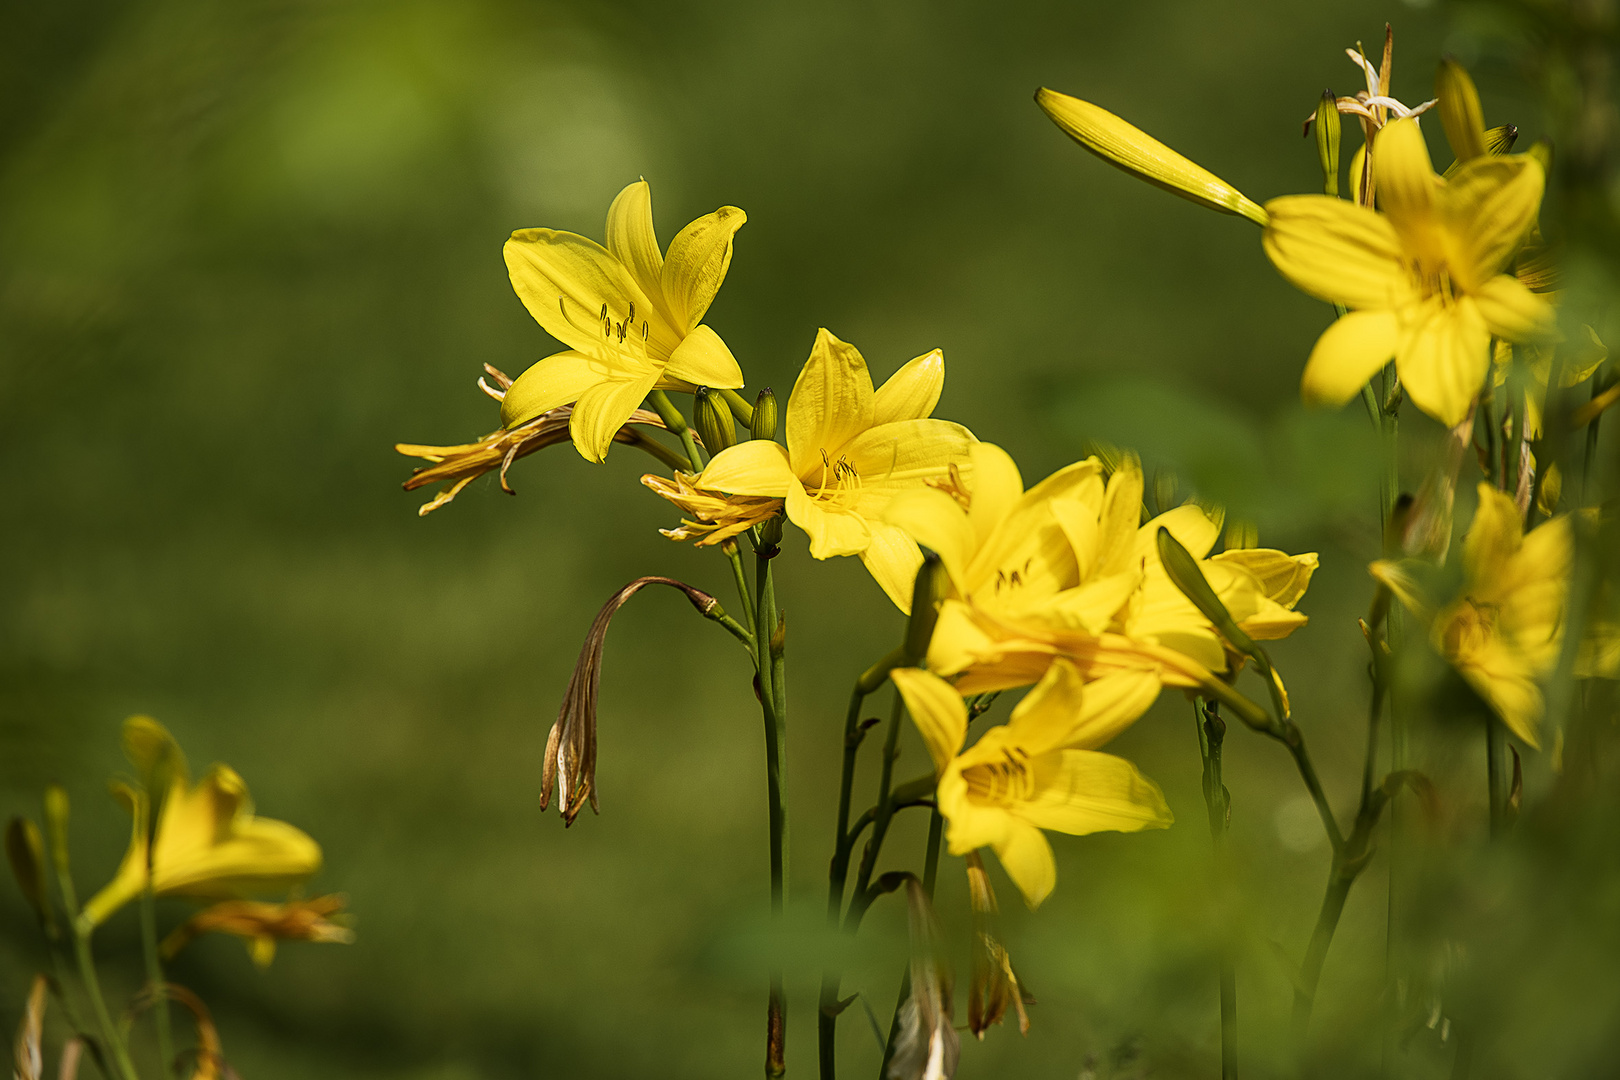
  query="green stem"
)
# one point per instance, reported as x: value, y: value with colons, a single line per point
x: 743, y: 591
x: 1327, y: 921
x: 936, y: 832
x: 885, y: 814
x: 773, y: 708
x: 156, y: 983
x: 670, y: 458
x: 740, y: 406
x: 1218, y: 804
x: 1496, y: 773
x: 676, y: 422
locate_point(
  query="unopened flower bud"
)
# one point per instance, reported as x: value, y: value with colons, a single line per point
x: 1459, y: 110
x: 1327, y: 141
x: 926, y: 593
x: 57, y: 811
x: 714, y: 423
x: 764, y: 425
x: 25, y: 850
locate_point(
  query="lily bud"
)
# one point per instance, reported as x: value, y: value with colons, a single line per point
x: 714, y: 423
x: 1459, y: 110
x: 1138, y: 153
x: 1184, y: 573
x: 1327, y: 141
x: 1241, y: 535
x: 25, y: 850
x: 764, y: 425
x: 1552, y: 488
x: 57, y: 812
x: 1500, y: 140
x: 927, y: 591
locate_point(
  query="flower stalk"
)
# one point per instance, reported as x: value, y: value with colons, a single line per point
x: 769, y: 650
x: 1218, y: 804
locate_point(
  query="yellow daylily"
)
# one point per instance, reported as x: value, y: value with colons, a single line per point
x: 1013, y: 553
x: 208, y: 844
x: 718, y: 516
x: 1423, y: 278
x: 849, y: 450
x: 1504, y: 633
x: 1038, y: 771
x: 630, y: 316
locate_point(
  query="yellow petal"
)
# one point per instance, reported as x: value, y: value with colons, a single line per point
x: 702, y: 359
x: 698, y: 259
x: 756, y: 467
x: 1443, y: 358
x: 1464, y: 120
x: 1396, y: 576
x: 1027, y: 858
x: 1493, y: 537
x: 1488, y: 208
x: 1128, y: 148
x: 631, y: 239
x: 1283, y: 577
x: 1337, y: 251
x: 1502, y: 679
x: 1407, y: 184
x: 832, y: 531
x: 831, y: 403
x: 892, y: 558
x: 904, y: 454
x: 1271, y: 621
x: 1189, y: 524
x: 1092, y: 606
x: 1348, y: 353
x: 565, y: 281
x: 1063, y: 711
x: 935, y: 519
x: 997, y: 487
x: 1511, y: 311
x: 559, y: 379
x: 937, y: 710
x: 1117, y: 528
x: 912, y: 392
x: 1083, y: 791
x: 603, y: 410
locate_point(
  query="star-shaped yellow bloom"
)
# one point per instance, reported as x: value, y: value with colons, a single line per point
x: 1423, y: 279
x: 208, y: 844
x: 850, y: 450
x: 1038, y: 771
x: 1504, y: 633
x: 630, y: 316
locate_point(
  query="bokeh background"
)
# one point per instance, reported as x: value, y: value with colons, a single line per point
x: 246, y: 247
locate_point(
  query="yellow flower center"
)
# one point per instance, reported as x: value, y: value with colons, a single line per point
x: 1433, y: 280
x: 1003, y: 782
x: 1471, y: 626
x: 840, y: 481
x: 621, y: 336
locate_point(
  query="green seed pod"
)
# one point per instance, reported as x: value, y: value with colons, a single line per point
x: 714, y: 423
x: 764, y: 425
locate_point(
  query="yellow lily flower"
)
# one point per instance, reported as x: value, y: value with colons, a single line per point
x: 1019, y: 599
x: 1504, y: 633
x: 1423, y: 278
x: 630, y: 316
x: 849, y: 450
x: 718, y: 516
x: 1038, y: 771
x: 208, y: 844
x: 1013, y: 553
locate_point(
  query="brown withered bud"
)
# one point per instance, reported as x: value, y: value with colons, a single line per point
x: 460, y: 465
x: 995, y: 985
x: 926, y: 1046
x: 570, y: 765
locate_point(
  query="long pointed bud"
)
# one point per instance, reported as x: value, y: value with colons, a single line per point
x: 714, y: 423
x: 1327, y: 141
x: 1459, y: 110
x: 764, y: 423
x: 1135, y: 151
x: 926, y: 593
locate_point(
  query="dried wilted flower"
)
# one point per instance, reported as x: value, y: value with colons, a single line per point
x: 718, y: 516
x: 570, y: 765
x: 461, y: 465
x: 926, y: 1047
x: 30, y: 1055
x: 261, y: 925
x: 995, y: 985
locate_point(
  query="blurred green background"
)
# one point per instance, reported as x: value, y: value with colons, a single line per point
x: 246, y: 247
